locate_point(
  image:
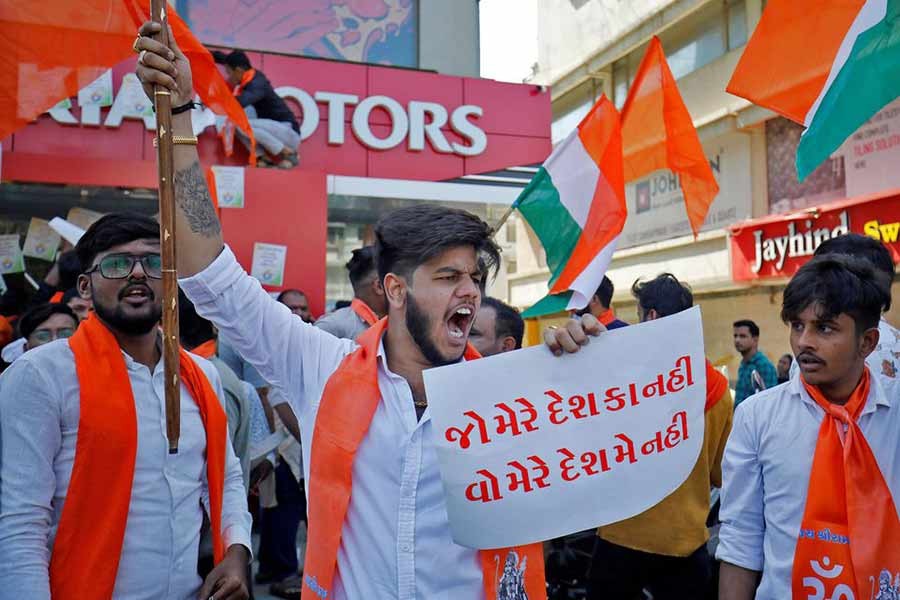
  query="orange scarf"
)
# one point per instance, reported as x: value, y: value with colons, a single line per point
x: 850, y: 534
x: 348, y: 404
x: 363, y: 311
x: 207, y: 349
x: 607, y: 317
x: 716, y: 384
x: 88, y: 543
x: 246, y: 78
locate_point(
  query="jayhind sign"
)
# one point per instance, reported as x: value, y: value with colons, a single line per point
x: 413, y: 123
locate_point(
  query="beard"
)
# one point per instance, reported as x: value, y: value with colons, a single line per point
x: 419, y: 323
x: 116, y: 318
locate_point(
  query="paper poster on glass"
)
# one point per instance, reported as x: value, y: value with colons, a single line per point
x: 11, y: 260
x: 268, y: 263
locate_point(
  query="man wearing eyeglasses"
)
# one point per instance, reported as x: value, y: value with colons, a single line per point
x: 45, y: 323
x: 93, y: 505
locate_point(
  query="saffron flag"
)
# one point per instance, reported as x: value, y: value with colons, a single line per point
x: 658, y: 133
x: 829, y: 66
x: 51, y: 49
x: 576, y: 206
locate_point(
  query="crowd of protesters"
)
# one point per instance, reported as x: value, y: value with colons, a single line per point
x: 326, y: 422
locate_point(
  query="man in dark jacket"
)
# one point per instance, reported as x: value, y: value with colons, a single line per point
x: 274, y: 126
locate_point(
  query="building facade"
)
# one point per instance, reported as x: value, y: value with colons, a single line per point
x: 391, y: 113
x: 593, y: 47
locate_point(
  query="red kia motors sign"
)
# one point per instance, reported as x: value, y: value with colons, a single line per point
x: 777, y: 246
x: 355, y: 119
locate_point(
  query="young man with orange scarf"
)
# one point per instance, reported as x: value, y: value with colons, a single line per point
x: 94, y: 506
x: 812, y: 467
x: 377, y: 512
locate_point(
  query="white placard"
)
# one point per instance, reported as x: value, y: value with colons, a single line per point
x: 532, y: 446
x: 268, y: 263
x: 11, y: 260
x: 97, y: 93
x: 41, y: 241
x: 229, y: 186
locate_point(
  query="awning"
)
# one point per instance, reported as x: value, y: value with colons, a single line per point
x: 776, y: 246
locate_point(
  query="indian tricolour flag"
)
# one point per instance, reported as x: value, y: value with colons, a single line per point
x: 826, y: 64
x: 576, y: 206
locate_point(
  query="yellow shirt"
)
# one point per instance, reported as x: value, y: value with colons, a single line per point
x: 677, y: 525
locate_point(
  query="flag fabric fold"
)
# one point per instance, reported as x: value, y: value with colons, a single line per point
x: 829, y: 66
x: 658, y: 133
x: 576, y: 206
x: 51, y: 49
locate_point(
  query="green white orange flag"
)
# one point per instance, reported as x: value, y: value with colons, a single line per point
x: 828, y: 65
x: 576, y: 206
x: 52, y: 48
x: 658, y: 133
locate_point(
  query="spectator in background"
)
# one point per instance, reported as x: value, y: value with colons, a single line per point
x: 498, y: 328
x: 663, y: 549
x: 601, y: 305
x: 80, y: 306
x: 784, y: 368
x: 46, y: 322
x: 368, y: 303
x: 756, y: 372
x: 298, y: 303
x: 274, y: 126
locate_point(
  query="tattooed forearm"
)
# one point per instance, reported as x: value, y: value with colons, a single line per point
x: 193, y: 199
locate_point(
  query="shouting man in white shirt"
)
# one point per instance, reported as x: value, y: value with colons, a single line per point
x: 811, y: 475
x: 94, y: 506
x: 361, y: 405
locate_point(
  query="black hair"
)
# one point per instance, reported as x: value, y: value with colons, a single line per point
x: 342, y: 304
x: 409, y: 237
x: 664, y: 294
x: 69, y: 294
x: 753, y: 327
x: 113, y: 230
x: 69, y: 268
x: 788, y: 356
x: 236, y: 59
x: 864, y: 247
x: 605, y: 291
x: 508, y: 320
x: 36, y: 315
x: 361, y: 265
x: 837, y: 284
x: 192, y: 328
x: 284, y: 293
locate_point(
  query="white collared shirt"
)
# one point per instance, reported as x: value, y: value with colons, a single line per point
x: 396, y: 539
x: 39, y: 412
x: 766, y: 470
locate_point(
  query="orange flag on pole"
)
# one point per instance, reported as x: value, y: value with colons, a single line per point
x: 51, y: 49
x: 658, y: 133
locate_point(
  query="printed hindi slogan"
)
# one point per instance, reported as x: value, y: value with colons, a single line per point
x: 532, y: 446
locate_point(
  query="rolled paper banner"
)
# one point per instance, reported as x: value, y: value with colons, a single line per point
x: 71, y: 233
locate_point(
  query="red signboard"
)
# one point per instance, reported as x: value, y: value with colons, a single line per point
x: 777, y: 246
x: 356, y: 119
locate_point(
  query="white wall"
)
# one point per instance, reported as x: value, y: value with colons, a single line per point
x: 448, y: 37
x: 569, y: 31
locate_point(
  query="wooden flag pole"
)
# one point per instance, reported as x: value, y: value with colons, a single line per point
x: 165, y: 147
x: 503, y: 219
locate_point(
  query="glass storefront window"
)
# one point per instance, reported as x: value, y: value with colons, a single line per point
x: 737, y: 23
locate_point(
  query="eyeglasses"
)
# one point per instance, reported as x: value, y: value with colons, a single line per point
x: 43, y: 336
x: 120, y: 266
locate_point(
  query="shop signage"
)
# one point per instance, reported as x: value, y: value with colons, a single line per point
x: 355, y: 119
x: 414, y: 123
x: 777, y: 246
x: 656, y: 205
